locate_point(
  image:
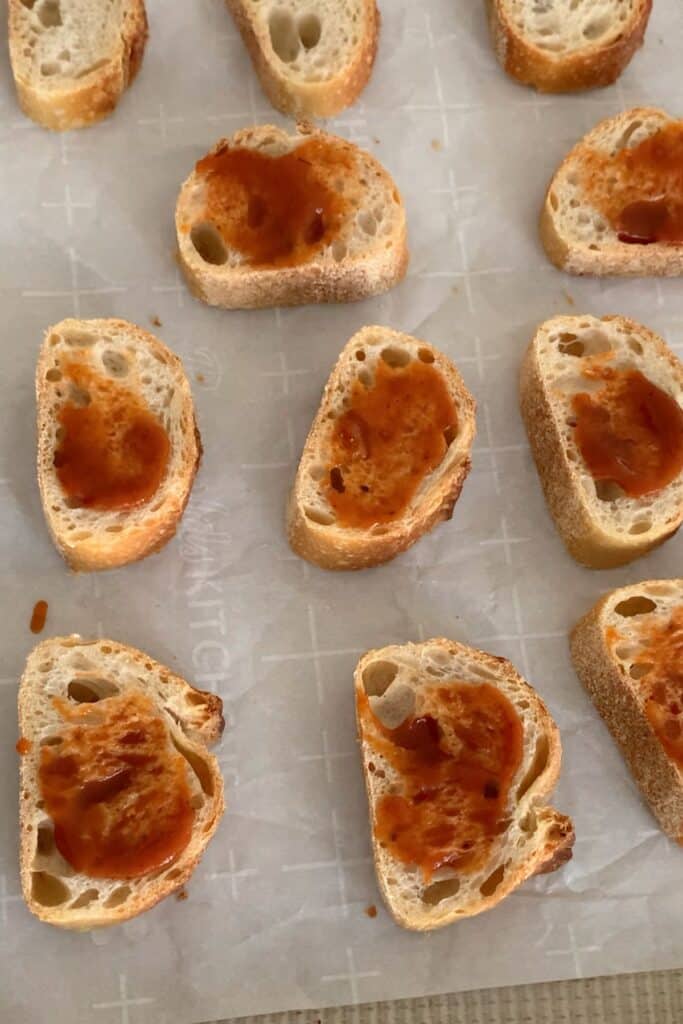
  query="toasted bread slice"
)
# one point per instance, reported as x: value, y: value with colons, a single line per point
x: 313, y: 59
x: 72, y: 59
x: 603, y: 519
x: 273, y: 219
x: 460, y: 755
x: 386, y: 456
x: 628, y: 653
x: 72, y: 706
x: 615, y: 205
x: 562, y: 45
x: 115, y: 410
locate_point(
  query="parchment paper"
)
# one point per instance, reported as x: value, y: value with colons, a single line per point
x: 275, y: 912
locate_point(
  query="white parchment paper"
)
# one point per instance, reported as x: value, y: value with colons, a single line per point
x: 275, y: 915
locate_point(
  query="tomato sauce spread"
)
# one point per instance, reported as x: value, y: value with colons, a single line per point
x: 640, y: 190
x: 116, y: 789
x: 629, y: 431
x: 38, y: 617
x: 112, y: 452
x: 456, y: 758
x: 277, y: 211
x: 393, y: 434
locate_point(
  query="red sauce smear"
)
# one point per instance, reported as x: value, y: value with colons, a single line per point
x: 277, y: 211
x: 456, y: 759
x: 23, y: 746
x: 38, y: 617
x: 640, y: 190
x: 629, y: 432
x: 113, y: 452
x: 116, y: 789
x: 393, y: 435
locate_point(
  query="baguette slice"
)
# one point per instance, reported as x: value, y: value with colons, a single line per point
x: 628, y: 653
x: 72, y: 59
x: 313, y: 59
x: 122, y: 360
x: 562, y: 45
x: 601, y: 525
x: 633, y: 159
x: 306, y: 217
x: 93, y: 674
x: 311, y: 523
x: 399, y: 686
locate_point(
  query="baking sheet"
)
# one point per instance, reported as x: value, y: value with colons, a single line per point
x: 275, y: 917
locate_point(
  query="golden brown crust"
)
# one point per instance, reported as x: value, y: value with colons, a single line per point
x: 86, y: 100
x: 155, y: 529
x: 201, y: 725
x: 586, y: 540
x: 360, y: 548
x: 614, y: 696
x: 596, y: 65
x: 556, y: 830
x: 314, y: 99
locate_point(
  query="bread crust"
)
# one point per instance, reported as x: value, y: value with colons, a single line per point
x: 349, y: 280
x: 308, y: 99
x: 106, y: 550
x: 615, y: 697
x: 557, y: 831
x: 657, y: 259
x: 344, y: 549
x: 586, y: 539
x: 597, y: 64
x: 200, y: 724
x: 89, y: 99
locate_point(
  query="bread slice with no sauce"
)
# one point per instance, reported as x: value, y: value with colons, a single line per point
x: 269, y: 218
x: 615, y: 204
x: 602, y: 524
x: 565, y: 45
x: 72, y: 59
x: 112, y: 396
x: 451, y: 737
x: 628, y: 653
x: 71, y: 690
x: 350, y: 507
x: 313, y: 59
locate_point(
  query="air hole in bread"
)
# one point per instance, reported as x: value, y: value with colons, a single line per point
x: 529, y: 823
x: 209, y: 245
x: 51, y: 741
x: 47, y: 890
x: 49, y: 14
x: 197, y: 764
x: 338, y: 251
x: 537, y: 766
x: 608, y: 490
x: 640, y: 669
x: 114, y: 363
x: 45, y: 839
x: 490, y: 884
x: 64, y: 55
x: 636, y: 605
x: 337, y: 480
x: 119, y: 896
x: 554, y: 201
x: 85, y: 899
x: 173, y: 874
x: 114, y: 529
x: 310, y: 29
x: 569, y: 345
x: 79, y: 339
x: 395, y: 357
x: 49, y: 68
x: 53, y: 375
x: 640, y: 526
x: 395, y: 706
x: 626, y: 135
x: 367, y: 223
x: 79, y: 396
x: 378, y: 677
x: 425, y: 355
x: 318, y: 515
x: 30, y: 4
x: 635, y: 346
x: 596, y: 27
x: 90, y: 689
x: 360, y: 355
x: 284, y: 36
x: 450, y: 434
x: 438, y: 891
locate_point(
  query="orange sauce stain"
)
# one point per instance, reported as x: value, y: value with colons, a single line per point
x: 116, y: 789
x: 371, y: 911
x: 393, y: 435
x: 113, y: 452
x: 455, y: 758
x: 38, y: 617
x: 640, y: 190
x: 629, y: 432
x: 23, y: 746
x: 661, y: 682
x: 277, y: 211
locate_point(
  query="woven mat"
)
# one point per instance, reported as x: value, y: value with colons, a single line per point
x: 650, y: 998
